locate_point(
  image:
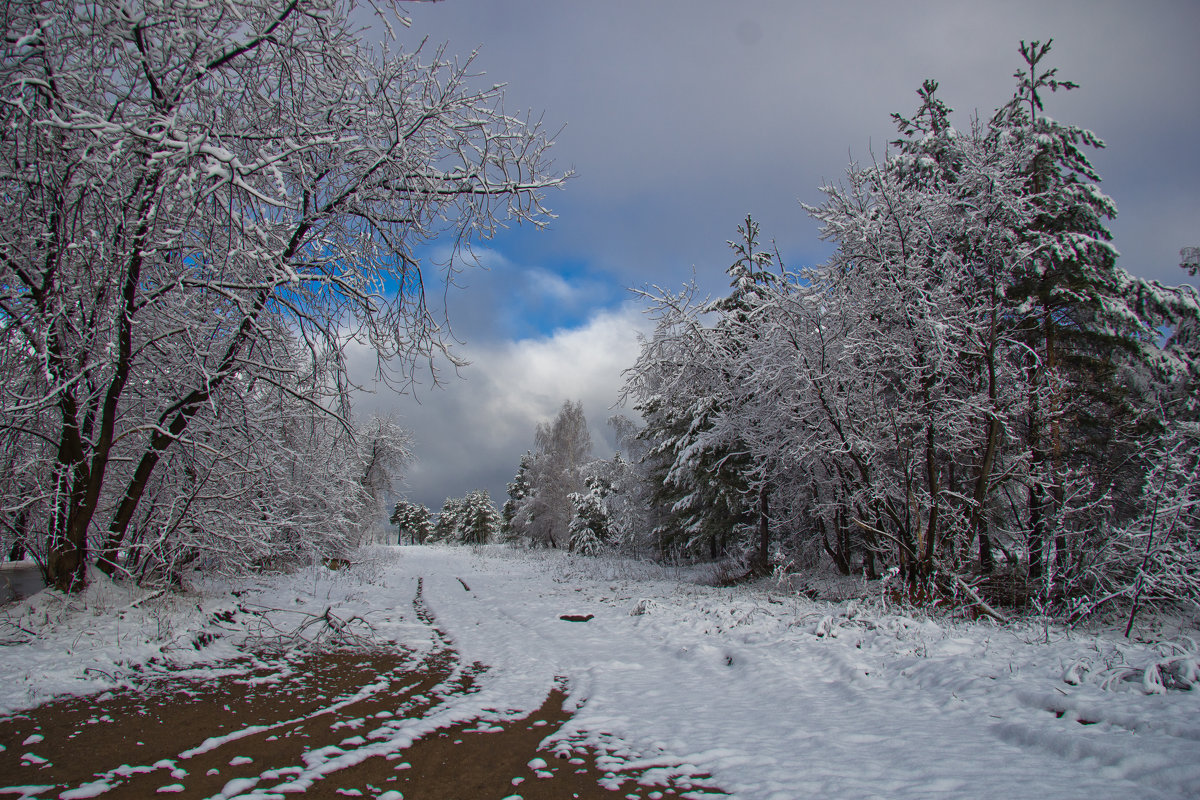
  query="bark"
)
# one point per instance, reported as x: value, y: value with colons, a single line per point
x: 978, y: 516
x: 67, y: 556
x: 762, y: 560
x: 931, y: 527
x: 1037, y: 532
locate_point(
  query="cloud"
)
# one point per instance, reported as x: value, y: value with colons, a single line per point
x: 684, y: 115
x: 546, y: 285
x: 495, y: 297
x: 471, y: 433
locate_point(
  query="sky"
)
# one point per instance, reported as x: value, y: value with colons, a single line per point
x: 680, y: 117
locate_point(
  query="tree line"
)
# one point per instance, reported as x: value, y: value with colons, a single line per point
x: 472, y: 519
x: 970, y: 393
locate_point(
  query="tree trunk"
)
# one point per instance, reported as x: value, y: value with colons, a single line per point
x: 179, y: 415
x: 978, y: 516
x: 935, y: 496
x: 20, y: 537
x: 762, y: 560
x: 1037, y: 532
x: 66, y: 557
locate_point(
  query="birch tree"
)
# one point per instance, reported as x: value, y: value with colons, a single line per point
x: 562, y: 450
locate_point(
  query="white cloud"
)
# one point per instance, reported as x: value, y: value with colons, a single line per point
x: 471, y: 433
x: 552, y: 286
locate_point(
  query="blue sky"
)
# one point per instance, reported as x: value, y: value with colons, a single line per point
x: 682, y: 116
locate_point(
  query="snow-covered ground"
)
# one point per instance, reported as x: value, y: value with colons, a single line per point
x: 774, y: 695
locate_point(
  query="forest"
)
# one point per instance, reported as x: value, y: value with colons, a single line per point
x: 205, y: 207
x: 916, y: 516
x: 970, y: 398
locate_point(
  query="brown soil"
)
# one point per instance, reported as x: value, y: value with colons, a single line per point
x: 140, y: 741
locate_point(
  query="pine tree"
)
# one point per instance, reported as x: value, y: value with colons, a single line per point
x: 591, y: 529
x: 1077, y: 311
x: 683, y: 385
x: 450, y: 521
x: 412, y: 519
x: 479, y: 520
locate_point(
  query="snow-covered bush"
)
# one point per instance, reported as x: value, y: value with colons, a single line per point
x: 1153, y: 561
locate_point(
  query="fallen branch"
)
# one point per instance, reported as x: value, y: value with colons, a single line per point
x: 141, y: 600
x: 979, y: 601
x: 315, y: 630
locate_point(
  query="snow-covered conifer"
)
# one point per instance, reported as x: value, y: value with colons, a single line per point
x: 519, y: 489
x: 479, y: 521
x: 591, y: 528
x: 413, y: 521
x: 449, y: 525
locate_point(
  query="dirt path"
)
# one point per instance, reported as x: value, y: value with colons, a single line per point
x: 326, y: 723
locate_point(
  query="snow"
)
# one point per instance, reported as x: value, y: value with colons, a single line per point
x: 93, y: 789
x: 774, y: 695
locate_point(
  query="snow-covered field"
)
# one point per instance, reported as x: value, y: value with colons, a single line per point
x: 774, y: 695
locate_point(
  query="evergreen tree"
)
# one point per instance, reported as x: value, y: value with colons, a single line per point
x: 450, y: 521
x: 709, y: 490
x: 518, y: 491
x: 412, y: 520
x: 591, y: 529
x: 1079, y: 314
x: 479, y: 520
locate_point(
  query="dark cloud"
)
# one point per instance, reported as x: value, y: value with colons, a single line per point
x: 679, y: 120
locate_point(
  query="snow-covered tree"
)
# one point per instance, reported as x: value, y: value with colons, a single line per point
x: 449, y: 525
x: 479, y: 521
x: 412, y: 520
x: 1089, y: 326
x: 970, y: 371
x: 590, y: 531
x: 191, y: 186
x: 383, y: 452
x: 684, y: 385
x: 518, y: 491
x: 472, y: 519
x: 562, y: 448
x: 1153, y: 561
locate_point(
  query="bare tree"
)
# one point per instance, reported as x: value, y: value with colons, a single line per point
x: 190, y: 187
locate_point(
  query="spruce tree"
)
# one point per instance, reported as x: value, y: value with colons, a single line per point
x: 519, y: 490
x: 1074, y: 307
x: 479, y: 520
